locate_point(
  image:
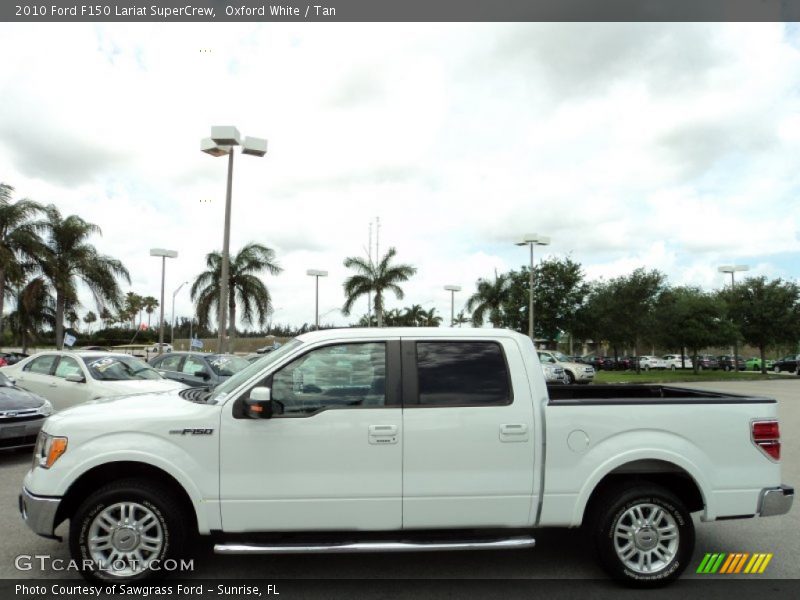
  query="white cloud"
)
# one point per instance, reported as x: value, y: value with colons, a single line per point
x: 670, y: 146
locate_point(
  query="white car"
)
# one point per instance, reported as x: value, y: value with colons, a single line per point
x: 573, y: 372
x: 675, y: 361
x: 70, y: 378
x: 651, y: 362
x: 553, y: 373
x: 154, y: 348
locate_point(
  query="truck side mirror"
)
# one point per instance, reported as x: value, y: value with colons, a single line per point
x: 259, y: 404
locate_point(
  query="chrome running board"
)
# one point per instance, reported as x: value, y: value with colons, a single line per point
x: 377, y: 546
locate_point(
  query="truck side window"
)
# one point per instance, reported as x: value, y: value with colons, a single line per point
x: 462, y: 374
x: 341, y: 376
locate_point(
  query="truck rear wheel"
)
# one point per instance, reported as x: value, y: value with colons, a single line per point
x: 643, y: 535
x: 125, y: 531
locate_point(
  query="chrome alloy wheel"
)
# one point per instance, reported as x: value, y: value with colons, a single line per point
x: 124, y: 538
x: 646, y: 538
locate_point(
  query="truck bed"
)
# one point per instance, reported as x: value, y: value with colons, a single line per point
x: 644, y: 394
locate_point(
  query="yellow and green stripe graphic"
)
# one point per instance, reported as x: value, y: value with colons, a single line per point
x: 734, y: 563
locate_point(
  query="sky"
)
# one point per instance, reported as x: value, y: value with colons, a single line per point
x: 665, y: 146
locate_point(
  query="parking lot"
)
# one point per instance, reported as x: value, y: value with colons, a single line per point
x: 560, y: 553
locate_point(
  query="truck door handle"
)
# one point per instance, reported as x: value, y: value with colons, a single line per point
x: 382, y: 434
x: 514, y: 429
x: 514, y: 432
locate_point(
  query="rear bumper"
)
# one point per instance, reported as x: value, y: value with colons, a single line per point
x: 775, y: 501
x: 39, y: 513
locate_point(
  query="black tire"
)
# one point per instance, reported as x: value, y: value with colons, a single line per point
x: 776, y: 369
x: 570, y: 377
x: 611, y: 511
x: 148, y: 496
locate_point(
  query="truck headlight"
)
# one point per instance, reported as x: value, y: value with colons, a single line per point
x: 48, y: 449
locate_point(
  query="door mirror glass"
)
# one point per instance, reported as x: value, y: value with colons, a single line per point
x: 259, y: 404
x: 75, y: 378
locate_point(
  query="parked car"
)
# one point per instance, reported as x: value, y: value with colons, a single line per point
x: 676, y: 361
x: 21, y: 415
x: 12, y: 358
x: 3, y: 362
x: 268, y: 349
x: 706, y: 361
x: 573, y: 372
x: 251, y: 358
x: 754, y: 363
x: 69, y: 378
x: 343, y: 440
x: 197, y: 369
x: 154, y: 348
x: 787, y: 363
x: 651, y: 362
x: 554, y: 374
x: 726, y: 362
x: 600, y: 363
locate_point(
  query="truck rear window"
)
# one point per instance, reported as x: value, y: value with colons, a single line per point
x: 462, y: 374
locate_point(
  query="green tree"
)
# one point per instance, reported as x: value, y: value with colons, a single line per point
x: 489, y: 299
x: 245, y: 287
x: 559, y: 292
x: 766, y: 312
x: 35, y: 309
x: 413, y: 316
x: 621, y: 311
x: 688, y: 318
x: 375, y: 278
x: 20, y: 243
x: 89, y: 319
x: 149, y: 304
x: 69, y: 258
x: 430, y: 318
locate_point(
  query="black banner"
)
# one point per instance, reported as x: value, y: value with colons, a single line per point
x: 400, y: 10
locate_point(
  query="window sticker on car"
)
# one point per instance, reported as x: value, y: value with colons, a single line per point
x: 102, y: 364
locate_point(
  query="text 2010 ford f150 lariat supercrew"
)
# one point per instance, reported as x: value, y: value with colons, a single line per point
x: 402, y: 439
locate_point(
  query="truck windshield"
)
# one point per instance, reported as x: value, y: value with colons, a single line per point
x: 222, y: 390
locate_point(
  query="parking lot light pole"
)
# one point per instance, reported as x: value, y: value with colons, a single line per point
x: 164, y: 254
x: 452, y: 289
x: 221, y: 143
x: 733, y: 269
x: 532, y: 239
x: 172, y: 321
x: 316, y: 275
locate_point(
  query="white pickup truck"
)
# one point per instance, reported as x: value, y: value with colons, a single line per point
x: 359, y: 440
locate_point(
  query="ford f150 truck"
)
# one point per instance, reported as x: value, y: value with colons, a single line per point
x: 402, y: 439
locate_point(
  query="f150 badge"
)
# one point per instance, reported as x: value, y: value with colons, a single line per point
x: 192, y: 431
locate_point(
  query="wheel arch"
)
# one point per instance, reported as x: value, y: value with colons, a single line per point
x: 655, y: 471
x: 105, y: 473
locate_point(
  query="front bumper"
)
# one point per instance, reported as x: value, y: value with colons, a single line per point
x: 18, y: 433
x: 775, y: 501
x: 39, y: 513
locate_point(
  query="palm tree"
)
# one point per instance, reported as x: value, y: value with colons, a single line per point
x: 89, y: 319
x: 19, y: 241
x: 374, y: 279
x: 490, y: 297
x: 72, y: 318
x: 460, y: 319
x: 35, y: 309
x: 68, y: 258
x: 150, y: 304
x: 414, y: 316
x: 431, y: 319
x: 244, y: 287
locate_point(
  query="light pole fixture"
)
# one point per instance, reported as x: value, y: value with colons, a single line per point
x: 733, y: 269
x: 532, y: 239
x: 316, y: 275
x: 164, y: 254
x: 452, y: 289
x: 221, y: 142
x: 172, y: 321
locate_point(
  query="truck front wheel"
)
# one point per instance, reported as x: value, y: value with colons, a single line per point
x: 643, y: 535
x: 126, y: 531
